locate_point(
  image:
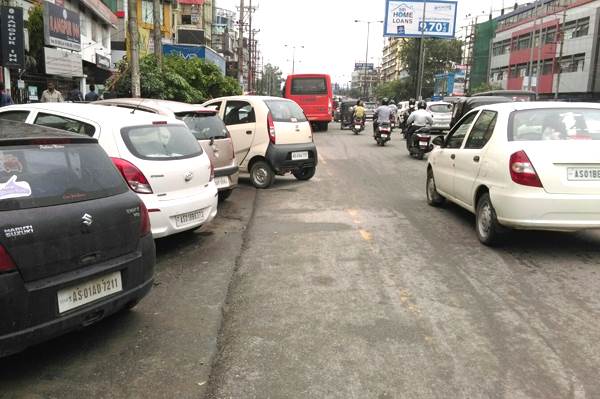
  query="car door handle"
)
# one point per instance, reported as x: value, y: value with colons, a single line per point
x: 248, y: 131
x: 476, y: 158
x: 452, y: 156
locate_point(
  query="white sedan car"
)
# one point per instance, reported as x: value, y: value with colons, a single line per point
x: 158, y: 157
x: 528, y: 165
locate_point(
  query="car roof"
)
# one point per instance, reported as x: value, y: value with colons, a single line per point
x: 525, y: 105
x: 438, y: 102
x: 249, y: 98
x: 95, y: 112
x: 12, y: 130
x: 168, y: 105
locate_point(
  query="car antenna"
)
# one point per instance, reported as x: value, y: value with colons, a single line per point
x: 137, y: 106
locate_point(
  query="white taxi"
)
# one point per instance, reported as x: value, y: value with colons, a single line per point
x: 522, y: 165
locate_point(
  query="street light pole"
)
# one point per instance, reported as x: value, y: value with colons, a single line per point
x: 294, y: 47
x: 421, y: 54
x: 365, y: 88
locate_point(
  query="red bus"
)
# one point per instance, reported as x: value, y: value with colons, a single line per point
x: 313, y: 94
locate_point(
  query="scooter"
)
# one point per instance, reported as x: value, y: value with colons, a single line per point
x: 358, y: 125
x: 383, y: 134
x: 420, y: 141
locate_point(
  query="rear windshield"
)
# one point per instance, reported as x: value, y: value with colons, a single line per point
x: 285, y: 111
x: 204, y: 126
x: 309, y: 86
x: 555, y: 124
x: 441, y: 108
x: 47, y: 175
x: 161, y: 142
x: 370, y: 105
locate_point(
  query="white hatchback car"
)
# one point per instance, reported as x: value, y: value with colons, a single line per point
x: 441, y: 112
x: 271, y: 136
x: 159, y: 158
x: 524, y: 165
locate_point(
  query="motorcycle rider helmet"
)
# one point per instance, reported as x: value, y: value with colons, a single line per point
x: 422, y: 105
x: 392, y: 102
x: 411, y: 102
x: 384, y: 101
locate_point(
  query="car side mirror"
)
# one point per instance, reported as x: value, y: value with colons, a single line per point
x: 439, y: 141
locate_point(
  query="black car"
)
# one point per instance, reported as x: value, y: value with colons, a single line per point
x: 75, y: 242
x: 466, y: 104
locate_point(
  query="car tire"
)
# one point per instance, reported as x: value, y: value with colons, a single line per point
x: 489, y: 231
x: 305, y: 173
x: 262, y: 175
x: 433, y: 197
x: 324, y: 126
x: 223, y: 195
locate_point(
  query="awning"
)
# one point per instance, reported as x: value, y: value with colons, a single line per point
x: 199, y: 2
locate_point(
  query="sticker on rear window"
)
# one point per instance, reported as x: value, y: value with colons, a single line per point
x: 10, y: 164
x: 14, y: 189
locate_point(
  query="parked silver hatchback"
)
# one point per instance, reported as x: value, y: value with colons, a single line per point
x: 207, y: 127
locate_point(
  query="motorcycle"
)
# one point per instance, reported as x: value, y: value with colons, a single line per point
x: 383, y: 134
x: 420, y: 142
x: 358, y: 125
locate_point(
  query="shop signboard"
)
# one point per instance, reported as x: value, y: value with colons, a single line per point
x: 12, y: 39
x: 202, y: 52
x: 361, y: 66
x: 63, y: 63
x: 404, y: 18
x: 103, y: 62
x: 61, y: 27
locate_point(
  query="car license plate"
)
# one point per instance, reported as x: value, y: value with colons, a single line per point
x: 222, y: 181
x: 90, y: 291
x: 583, y: 174
x: 190, y: 217
x: 423, y: 143
x: 384, y: 136
x: 296, y: 156
x: 357, y: 126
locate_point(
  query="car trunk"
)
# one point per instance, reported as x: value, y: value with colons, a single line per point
x: 171, y: 159
x: 566, y: 166
x: 72, y: 209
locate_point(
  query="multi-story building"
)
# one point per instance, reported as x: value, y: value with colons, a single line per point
x: 391, y: 67
x: 224, y: 34
x: 365, y: 78
x: 565, y: 52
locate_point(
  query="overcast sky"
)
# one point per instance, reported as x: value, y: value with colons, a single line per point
x: 332, y: 41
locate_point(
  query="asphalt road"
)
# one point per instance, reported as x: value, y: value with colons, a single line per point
x: 346, y: 286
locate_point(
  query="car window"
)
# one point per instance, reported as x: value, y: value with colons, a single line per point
x: 161, y: 142
x: 457, y: 136
x: 555, y: 124
x: 46, y: 175
x: 302, y: 86
x: 482, y: 130
x: 204, y: 126
x: 214, y: 106
x: 441, y: 108
x: 18, y: 116
x: 285, y: 111
x: 238, y: 113
x: 64, y: 123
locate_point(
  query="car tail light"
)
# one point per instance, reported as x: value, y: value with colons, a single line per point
x: 330, y: 107
x: 522, y: 170
x: 212, y: 171
x: 133, y: 176
x: 6, y: 262
x: 271, y: 127
x: 145, y: 227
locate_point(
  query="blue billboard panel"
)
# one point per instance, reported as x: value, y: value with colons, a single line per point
x: 414, y: 18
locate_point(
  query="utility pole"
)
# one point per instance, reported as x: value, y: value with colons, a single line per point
x: 134, y: 45
x: 157, y: 31
x: 250, y: 47
x: 560, y: 51
x: 241, y: 46
x: 530, y: 63
x: 540, y: 52
x: 421, y: 54
x: 366, y: 90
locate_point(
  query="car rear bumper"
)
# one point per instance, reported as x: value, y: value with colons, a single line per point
x: 280, y: 156
x: 232, y: 173
x: 538, y: 210
x: 319, y: 117
x: 30, y: 310
x: 163, y: 214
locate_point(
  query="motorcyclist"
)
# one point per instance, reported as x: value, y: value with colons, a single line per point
x: 381, y: 115
x: 407, y: 112
x: 394, y: 109
x: 359, y: 112
x: 418, y: 119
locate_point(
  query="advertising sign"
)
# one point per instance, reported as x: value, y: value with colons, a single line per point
x: 201, y: 52
x: 458, y: 88
x: 103, y: 62
x: 404, y: 18
x: 361, y: 66
x: 62, y: 63
x: 11, y: 37
x: 61, y: 27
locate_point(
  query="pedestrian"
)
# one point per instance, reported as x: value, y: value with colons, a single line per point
x: 75, y: 95
x: 5, y: 99
x: 91, y: 95
x: 51, y: 95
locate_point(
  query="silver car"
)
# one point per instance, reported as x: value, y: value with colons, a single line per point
x: 442, y: 114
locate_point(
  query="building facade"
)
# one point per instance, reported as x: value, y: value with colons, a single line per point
x: 563, y: 53
x: 391, y: 67
x: 365, y: 78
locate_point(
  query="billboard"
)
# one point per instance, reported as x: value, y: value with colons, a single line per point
x: 62, y: 63
x: 61, y: 27
x: 202, y: 52
x: 404, y: 18
x: 11, y: 37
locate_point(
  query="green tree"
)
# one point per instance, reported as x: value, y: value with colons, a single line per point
x: 397, y: 90
x: 441, y: 55
x: 35, y: 27
x: 485, y: 87
x: 270, y: 82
